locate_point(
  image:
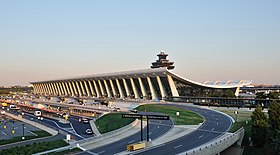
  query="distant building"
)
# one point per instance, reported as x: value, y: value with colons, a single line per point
x: 155, y: 83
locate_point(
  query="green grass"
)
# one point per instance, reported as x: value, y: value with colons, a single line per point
x: 40, y: 134
x: 34, y: 148
x: 75, y: 150
x: 112, y: 121
x: 186, y: 117
x: 242, y: 117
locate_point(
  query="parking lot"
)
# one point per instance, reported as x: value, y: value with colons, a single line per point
x: 12, y: 128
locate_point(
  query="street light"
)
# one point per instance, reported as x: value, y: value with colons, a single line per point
x: 23, y: 132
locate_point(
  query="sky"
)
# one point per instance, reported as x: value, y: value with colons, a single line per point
x: 207, y: 40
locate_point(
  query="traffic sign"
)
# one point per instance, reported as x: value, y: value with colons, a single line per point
x: 131, y: 116
x: 160, y: 117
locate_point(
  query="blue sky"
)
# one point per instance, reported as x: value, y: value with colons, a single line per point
x: 207, y: 40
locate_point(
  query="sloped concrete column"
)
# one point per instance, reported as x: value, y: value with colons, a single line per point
x: 153, y: 92
x: 107, y: 88
x: 101, y: 88
x: 143, y: 91
x: 79, y: 89
x: 91, y: 89
x: 82, y: 87
x: 126, y: 88
x: 96, y: 89
x: 120, y: 88
x: 113, y: 88
x: 87, y: 90
x: 172, y: 86
x: 134, y: 88
x: 161, y: 87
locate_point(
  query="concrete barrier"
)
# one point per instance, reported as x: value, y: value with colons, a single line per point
x: 218, y: 145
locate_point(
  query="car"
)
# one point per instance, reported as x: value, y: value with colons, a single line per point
x: 134, y: 110
x: 89, y: 131
x: 84, y: 120
x: 3, y: 112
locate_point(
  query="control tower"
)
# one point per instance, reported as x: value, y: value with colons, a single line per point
x: 162, y: 61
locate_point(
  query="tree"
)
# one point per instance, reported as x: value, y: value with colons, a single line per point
x: 275, y: 142
x: 274, y: 116
x: 259, y: 127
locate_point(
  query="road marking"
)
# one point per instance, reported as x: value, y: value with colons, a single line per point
x: 217, y: 119
x: 101, y: 152
x: 150, y: 133
x: 4, y: 133
x: 33, y: 133
x: 213, y: 129
x: 158, y: 127
x: 200, y: 136
x: 92, y: 153
x: 217, y: 123
x: 131, y: 141
x: 177, y: 146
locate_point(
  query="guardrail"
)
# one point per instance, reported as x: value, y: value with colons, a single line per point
x: 218, y: 145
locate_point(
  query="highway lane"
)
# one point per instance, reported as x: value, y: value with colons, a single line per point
x: 215, y: 125
x: 75, y: 128
x: 156, y: 129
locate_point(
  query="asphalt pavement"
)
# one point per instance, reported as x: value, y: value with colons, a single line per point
x: 216, y: 124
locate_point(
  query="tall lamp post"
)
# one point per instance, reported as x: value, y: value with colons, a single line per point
x: 23, y: 132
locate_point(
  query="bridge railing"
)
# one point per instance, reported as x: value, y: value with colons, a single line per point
x: 216, y: 146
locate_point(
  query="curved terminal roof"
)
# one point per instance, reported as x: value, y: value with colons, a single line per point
x: 152, y: 73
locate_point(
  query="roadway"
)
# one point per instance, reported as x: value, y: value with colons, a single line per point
x: 73, y: 127
x: 215, y: 125
x: 156, y: 129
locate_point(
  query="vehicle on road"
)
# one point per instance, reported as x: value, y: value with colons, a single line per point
x: 3, y: 112
x: 84, y: 120
x: 89, y: 131
x: 38, y: 113
x: 134, y: 110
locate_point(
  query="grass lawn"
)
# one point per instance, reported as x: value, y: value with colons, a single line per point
x: 75, y: 150
x: 112, y: 121
x: 34, y: 148
x: 242, y: 117
x: 186, y: 117
x: 40, y: 134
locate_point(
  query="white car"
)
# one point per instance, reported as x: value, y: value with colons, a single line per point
x: 3, y: 112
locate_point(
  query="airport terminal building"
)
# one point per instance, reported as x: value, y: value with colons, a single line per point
x: 155, y: 83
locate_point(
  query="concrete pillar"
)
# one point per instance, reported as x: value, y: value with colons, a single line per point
x: 38, y: 88
x: 64, y: 88
x: 107, y: 88
x: 61, y: 88
x: 172, y: 86
x: 50, y: 88
x: 120, y: 89
x: 161, y: 87
x: 71, y: 88
x: 113, y: 88
x: 43, y: 88
x: 87, y: 90
x: 54, y: 88
x: 91, y: 89
x: 96, y: 89
x: 75, y: 87
x: 237, y: 91
x: 136, y: 94
x: 126, y: 88
x: 153, y: 92
x: 143, y: 91
x: 79, y: 89
x: 101, y: 88
x: 67, y: 88
x: 58, y: 88
x: 82, y: 87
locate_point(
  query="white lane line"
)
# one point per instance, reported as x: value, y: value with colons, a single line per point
x: 200, y: 136
x: 101, y: 152
x: 150, y: 133
x: 91, y: 153
x: 4, y: 133
x: 213, y: 129
x: 131, y: 141
x: 217, y: 119
x: 158, y: 127
x: 177, y: 146
x: 217, y: 123
x: 33, y: 133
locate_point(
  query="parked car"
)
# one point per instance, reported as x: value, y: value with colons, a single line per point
x: 89, y: 131
x: 3, y: 112
x: 134, y: 110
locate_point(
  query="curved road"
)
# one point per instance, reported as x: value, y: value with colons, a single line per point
x: 215, y: 125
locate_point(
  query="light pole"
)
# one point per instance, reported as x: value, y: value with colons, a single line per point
x: 23, y: 132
